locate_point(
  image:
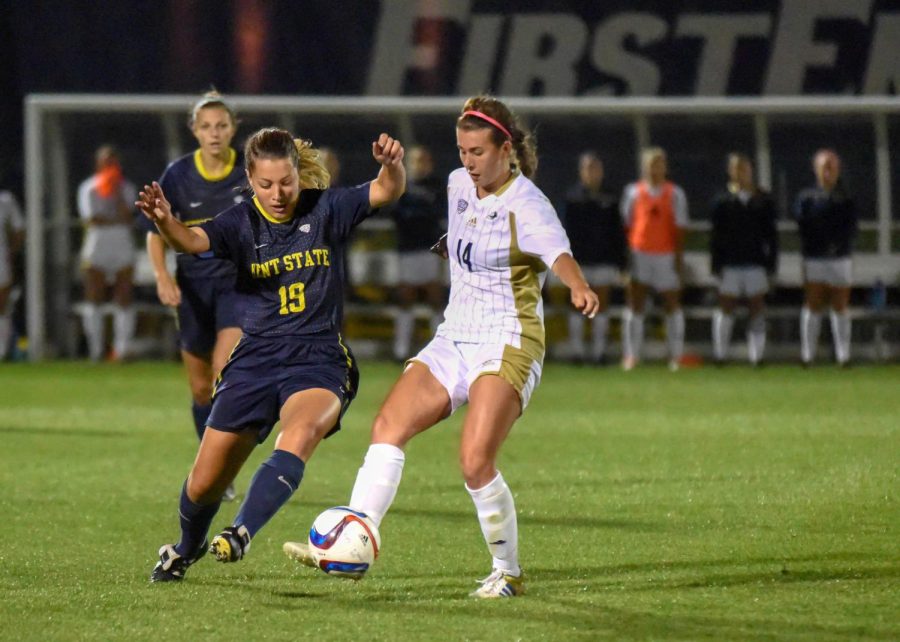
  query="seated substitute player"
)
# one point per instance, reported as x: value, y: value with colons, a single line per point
x: 290, y: 364
x: 420, y: 219
x: 744, y: 254
x: 105, y: 205
x: 591, y: 217
x: 12, y: 236
x: 827, y: 222
x: 199, y: 185
x: 655, y: 215
x: 503, y: 236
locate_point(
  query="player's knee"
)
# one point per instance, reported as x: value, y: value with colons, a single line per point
x: 477, y: 468
x: 386, y: 431
x: 203, y: 488
x: 201, y: 392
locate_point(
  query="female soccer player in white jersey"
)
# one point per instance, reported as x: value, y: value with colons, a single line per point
x: 503, y: 236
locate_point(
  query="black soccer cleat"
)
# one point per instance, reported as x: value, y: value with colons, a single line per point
x: 231, y: 544
x: 171, y: 566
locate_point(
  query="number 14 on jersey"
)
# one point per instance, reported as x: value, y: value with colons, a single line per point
x: 464, y: 254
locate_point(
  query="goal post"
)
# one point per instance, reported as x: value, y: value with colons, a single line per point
x: 695, y: 132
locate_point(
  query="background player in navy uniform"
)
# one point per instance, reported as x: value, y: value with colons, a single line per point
x: 290, y: 364
x: 421, y: 218
x: 593, y: 224
x: 199, y: 185
x: 744, y: 255
x: 827, y: 223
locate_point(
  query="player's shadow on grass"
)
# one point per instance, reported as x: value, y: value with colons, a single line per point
x: 569, y: 521
x: 783, y: 565
x: 35, y: 431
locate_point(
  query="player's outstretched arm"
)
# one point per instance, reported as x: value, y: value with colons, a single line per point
x: 581, y: 294
x: 390, y: 183
x: 152, y: 202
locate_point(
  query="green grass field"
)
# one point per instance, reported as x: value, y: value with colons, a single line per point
x: 718, y: 504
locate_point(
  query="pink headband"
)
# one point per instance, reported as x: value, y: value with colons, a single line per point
x: 492, y: 121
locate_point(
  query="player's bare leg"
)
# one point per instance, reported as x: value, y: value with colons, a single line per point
x: 494, y: 406
x: 600, y: 325
x: 674, y: 326
x: 218, y: 461
x: 306, y: 417
x: 756, y: 329
x: 722, y: 325
x: 633, y: 324
x: 124, y: 319
x: 415, y: 403
x: 94, y: 294
x: 815, y: 295
x: 841, y: 328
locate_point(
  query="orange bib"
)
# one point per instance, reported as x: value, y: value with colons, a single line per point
x: 652, y: 227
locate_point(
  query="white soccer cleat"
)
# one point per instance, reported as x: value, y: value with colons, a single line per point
x: 629, y: 364
x: 230, y: 494
x: 300, y: 552
x: 500, y: 584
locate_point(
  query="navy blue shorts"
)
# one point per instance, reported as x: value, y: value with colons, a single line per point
x: 263, y: 372
x: 207, y: 306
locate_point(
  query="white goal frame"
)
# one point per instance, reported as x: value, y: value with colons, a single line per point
x: 45, y: 157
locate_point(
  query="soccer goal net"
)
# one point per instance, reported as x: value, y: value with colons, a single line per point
x: 780, y: 134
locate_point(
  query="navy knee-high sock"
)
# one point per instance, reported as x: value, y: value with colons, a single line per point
x: 200, y: 414
x: 195, y: 520
x: 273, y: 484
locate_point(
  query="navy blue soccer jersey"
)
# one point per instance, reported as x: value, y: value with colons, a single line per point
x: 197, y: 197
x: 291, y: 274
x: 827, y: 223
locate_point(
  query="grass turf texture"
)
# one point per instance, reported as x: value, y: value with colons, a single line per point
x: 721, y: 504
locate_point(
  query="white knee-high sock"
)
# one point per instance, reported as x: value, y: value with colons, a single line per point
x: 5, y: 332
x: 576, y: 333
x: 722, y: 325
x: 810, y: 324
x: 403, y: 330
x: 93, y: 330
x: 377, y: 481
x: 675, y: 334
x: 840, y: 331
x: 599, y: 330
x: 756, y: 337
x: 124, y: 321
x: 633, y: 336
x: 497, y: 516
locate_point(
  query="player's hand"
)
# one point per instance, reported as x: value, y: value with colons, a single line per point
x: 152, y: 202
x: 167, y: 290
x: 387, y: 150
x: 586, y: 300
x: 440, y: 248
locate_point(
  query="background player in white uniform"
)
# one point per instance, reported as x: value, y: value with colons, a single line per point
x: 12, y: 234
x: 503, y: 236
x: 105, y: 205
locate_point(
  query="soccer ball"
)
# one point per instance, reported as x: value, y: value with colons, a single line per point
x: 344, y: 542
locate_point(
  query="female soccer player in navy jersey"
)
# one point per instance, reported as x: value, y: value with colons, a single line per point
x: 290, y: 363
x: 503, y: 237
x: 198, y: 186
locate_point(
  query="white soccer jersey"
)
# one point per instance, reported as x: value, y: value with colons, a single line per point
x: 500, y: 248
x: 109, y: 248
x: 10, y: 220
